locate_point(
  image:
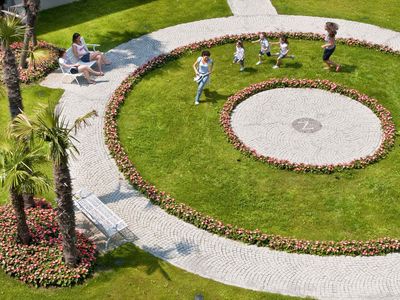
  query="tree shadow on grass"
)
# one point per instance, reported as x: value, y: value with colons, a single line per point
x: 214, y: 96
x: 129, y: 256
x: 80, y: 12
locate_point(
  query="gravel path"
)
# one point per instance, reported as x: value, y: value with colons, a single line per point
x: 184, y: 245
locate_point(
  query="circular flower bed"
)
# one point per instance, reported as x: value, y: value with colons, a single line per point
x: 42, y: 67
x: 185, y: 212
x: 41, y: 262
x: 387, y: 125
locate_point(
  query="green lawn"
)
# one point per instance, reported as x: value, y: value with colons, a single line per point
x: 384, y: 13
x: 130, y: 273
x: 111, y: 24
x: 32, y: 96
x: 182, y: 149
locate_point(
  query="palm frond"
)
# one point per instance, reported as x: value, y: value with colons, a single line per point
x: 83, y: 121
x: 11, y: 30
x: 22, y: 128
x: 17, y: 169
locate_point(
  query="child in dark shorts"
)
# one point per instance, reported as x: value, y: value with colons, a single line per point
x: 330, y: 46
x: 265, y: 48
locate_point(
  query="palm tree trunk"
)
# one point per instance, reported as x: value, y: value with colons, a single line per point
x: 22, y: 226
x: 31, y: 8
x: 28, y: 201
x: 11, y: 79
x: 65, y: 211
x: 34, y: 36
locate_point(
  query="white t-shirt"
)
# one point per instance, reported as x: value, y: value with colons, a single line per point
x: 204, y: 68
x: 264, y: 45
x: 284, y: 48
x: 239, y: 54
x: 63, y: 62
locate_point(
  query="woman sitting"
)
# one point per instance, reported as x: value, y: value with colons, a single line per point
x: 80, y: 51
x: 68, y: 67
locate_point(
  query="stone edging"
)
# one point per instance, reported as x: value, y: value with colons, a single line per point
x: 387, y: 125
x: 186, y: 213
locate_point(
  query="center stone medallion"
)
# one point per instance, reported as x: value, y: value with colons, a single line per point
x: 309, y: 126
x: 306, y: 125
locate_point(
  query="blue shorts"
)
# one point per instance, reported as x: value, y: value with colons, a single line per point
x: 86, y: 57
x: 264, y: 52
x: 327, y: 53
x: 74, y: 70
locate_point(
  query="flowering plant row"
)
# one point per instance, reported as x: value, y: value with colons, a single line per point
x: 188, y: 214
x: 41, y: 262
x: 387, y: 125
x: 42, y: 66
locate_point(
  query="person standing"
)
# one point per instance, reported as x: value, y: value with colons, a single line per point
x: 203, y: 68
x: 330, y: 45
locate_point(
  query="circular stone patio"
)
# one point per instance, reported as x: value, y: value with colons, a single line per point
x: 310, y: 126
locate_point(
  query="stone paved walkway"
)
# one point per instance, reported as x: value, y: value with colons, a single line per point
x: 184, y: 245
x: 252, y: 7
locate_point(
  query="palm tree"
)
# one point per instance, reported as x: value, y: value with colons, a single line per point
x: 32, y: 9
x: 11, y: 30
x: 18, y: 176
x: 50, y: 126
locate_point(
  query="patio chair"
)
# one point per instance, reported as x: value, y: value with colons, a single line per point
x: 89, y: 45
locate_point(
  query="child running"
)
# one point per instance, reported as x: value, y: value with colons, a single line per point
x: 284, y: 50
x: 330, y: 45
x: 238, y: 57
x: 265, y: 49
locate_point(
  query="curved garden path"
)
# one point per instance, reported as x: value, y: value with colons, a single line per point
x: 186, y: 246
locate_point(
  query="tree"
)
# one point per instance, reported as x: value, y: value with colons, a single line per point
x: 32, y: 10
x: 11, y: 30
x: 19, y: 177
x: 50, y: 126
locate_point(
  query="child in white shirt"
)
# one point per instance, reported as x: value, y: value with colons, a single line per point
x: 265, y: 48
x: 238, y: 57
x: 283, y: 50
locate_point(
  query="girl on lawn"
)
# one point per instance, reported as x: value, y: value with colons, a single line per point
x: 238, y: 57
x: 203, y: 68
x: 330, y: 46
x: 283, y: 50
x: 265, y: 49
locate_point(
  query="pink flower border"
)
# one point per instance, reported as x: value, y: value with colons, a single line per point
x: 188, y: 214
x: 387, y: 125
x: 43, y: 66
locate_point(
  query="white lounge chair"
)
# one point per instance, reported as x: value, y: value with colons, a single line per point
x: 89, y: 45
x: 73, y: 60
